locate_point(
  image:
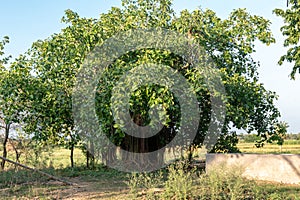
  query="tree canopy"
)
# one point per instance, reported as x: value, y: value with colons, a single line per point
x: 55, y: 62
x: 291, y: 29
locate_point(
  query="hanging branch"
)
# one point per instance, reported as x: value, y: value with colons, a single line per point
x: 38, y: 171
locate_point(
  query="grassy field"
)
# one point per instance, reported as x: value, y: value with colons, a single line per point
x: 289, y: 147
x: 104, y: 183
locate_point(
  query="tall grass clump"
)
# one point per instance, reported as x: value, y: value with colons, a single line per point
x: 225, y: 183
x: 146, y: 184
x: 182, y: 182
x: 174, y: 182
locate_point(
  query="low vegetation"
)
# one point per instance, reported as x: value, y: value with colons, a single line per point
x: 220, y: 183
x: 177, y: 181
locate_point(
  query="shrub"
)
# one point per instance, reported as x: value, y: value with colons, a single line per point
x: 179, y: 183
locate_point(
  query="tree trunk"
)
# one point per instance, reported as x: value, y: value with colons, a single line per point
x: 38, y: 171
x: 4, y: 155
x: 137, y: 150
x: 72, y: 155
x: 191, y: 150
x: 90, y: 156
x: 87, y: 158
x: 18, y: 154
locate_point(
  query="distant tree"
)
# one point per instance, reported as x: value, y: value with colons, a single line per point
x: 251, y: 138
x: 280, y: 130
x: 292, y: 136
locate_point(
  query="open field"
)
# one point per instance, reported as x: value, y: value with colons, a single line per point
x: 289, y: 147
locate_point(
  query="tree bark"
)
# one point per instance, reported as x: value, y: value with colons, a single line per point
x: 72, y: 143
x: 87, y: 158
x: 72, y: 155
x: 92, y: 155
x: 7, y: 126
x: 18, y: 154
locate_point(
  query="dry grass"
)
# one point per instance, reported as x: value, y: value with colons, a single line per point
x: 286, y: 148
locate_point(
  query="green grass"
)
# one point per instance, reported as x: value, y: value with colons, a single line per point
x: 279, y: 191
x: 57, y: 157
x: 105, y: 183
x: 24, y: 184
x: 61, y: 158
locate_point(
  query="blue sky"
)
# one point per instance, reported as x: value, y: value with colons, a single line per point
x: 27, y: 21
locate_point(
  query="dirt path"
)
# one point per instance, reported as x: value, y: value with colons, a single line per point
x: 92, y: 189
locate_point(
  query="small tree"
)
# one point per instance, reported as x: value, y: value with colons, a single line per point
x: 13, y: 95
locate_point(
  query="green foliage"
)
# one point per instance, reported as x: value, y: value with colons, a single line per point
x: 230, y: 42
x: 15, y: 84
x: 280, y: 133
x: 14, y: 89
x: 2, y: 44
x: 226, y: 144
x: 291, y: 29
x: 55, y: 62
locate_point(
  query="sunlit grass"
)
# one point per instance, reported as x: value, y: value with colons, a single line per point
x: 289, y: 147
x: 60, y: 158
